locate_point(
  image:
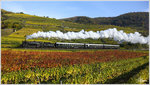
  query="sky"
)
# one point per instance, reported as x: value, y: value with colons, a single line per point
x: 65, y: 9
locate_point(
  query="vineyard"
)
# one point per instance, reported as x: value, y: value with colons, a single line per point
x: 129, y: 65
x: 89, y: 67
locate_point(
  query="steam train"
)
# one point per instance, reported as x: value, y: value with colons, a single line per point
x: 35, y: 44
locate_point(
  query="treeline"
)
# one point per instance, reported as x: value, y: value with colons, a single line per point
x: 135, y: 20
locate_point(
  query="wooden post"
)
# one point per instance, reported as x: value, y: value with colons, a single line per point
x: 25, y: 38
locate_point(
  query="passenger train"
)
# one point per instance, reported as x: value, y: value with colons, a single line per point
x: 35, y: 44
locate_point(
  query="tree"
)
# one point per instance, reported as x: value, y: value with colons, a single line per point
x: 21, y: 13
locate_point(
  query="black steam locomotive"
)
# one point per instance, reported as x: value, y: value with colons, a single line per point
x: 35, y: 44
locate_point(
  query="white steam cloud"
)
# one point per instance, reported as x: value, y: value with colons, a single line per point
x: 109, y: 33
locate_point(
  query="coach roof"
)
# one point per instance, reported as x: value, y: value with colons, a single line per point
x: 70, y: 43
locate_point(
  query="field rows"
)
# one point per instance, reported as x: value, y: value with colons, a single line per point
x: 91, y: 67
x: 105, y: 72
x: 21, y: 60
x: 141, y: 77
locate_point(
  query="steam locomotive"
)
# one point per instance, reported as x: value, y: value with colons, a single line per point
x: 35, y: 44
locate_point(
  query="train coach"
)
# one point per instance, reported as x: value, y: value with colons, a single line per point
x: 35, y: 44
x: 69, y: 45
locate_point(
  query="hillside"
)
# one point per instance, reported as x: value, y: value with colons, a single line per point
x: 16, y: 26
x: 135, y: 20
x: 20, y: 20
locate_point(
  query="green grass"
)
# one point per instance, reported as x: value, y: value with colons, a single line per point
x: 15, y: 39
x: 23, y: 32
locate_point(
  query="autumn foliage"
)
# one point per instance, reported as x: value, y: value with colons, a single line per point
x: 21, y: 60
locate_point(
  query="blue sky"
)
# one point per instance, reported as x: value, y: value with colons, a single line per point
x: 65, y: 9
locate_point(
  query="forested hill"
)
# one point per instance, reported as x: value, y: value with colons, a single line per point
x: 137, y: 20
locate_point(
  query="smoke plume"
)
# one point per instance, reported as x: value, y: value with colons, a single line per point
x: 109, y: 33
